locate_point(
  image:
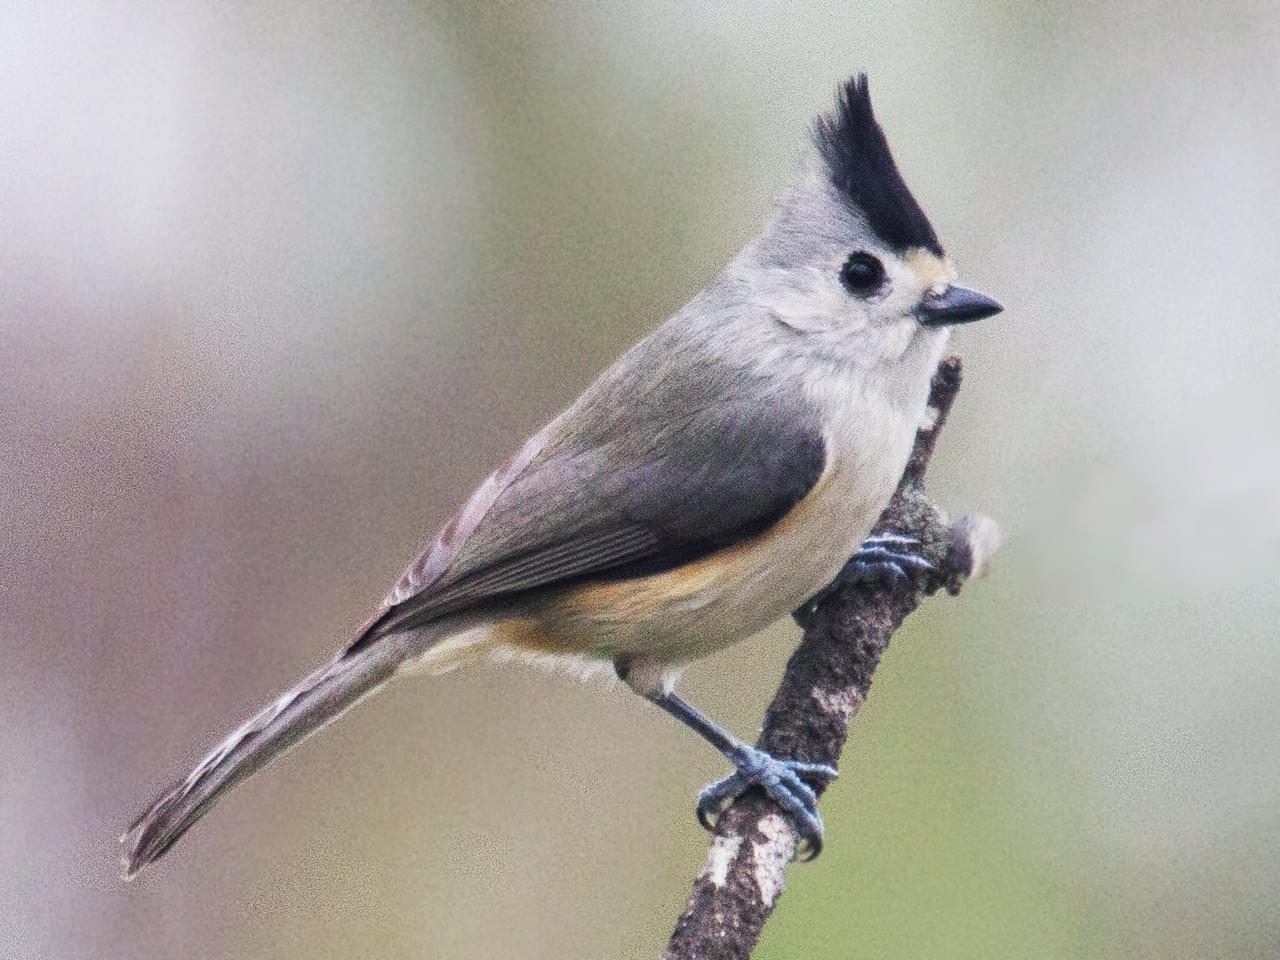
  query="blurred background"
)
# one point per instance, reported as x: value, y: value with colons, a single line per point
x: 280, y: 283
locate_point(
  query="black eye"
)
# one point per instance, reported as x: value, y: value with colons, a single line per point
x: 862, y: 273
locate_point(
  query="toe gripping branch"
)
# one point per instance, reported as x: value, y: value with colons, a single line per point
x: 914, y: 551
x: 785, y: 782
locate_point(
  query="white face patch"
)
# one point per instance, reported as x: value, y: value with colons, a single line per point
x: 806, y: 300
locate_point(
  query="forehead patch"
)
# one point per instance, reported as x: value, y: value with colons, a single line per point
x: 931, y: 269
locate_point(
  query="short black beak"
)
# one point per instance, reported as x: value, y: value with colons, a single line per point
x: 956, y: 305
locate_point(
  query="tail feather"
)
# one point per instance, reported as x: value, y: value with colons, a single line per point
x: 316, y: 701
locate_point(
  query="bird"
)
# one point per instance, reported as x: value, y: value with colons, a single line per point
x: 716, y: 476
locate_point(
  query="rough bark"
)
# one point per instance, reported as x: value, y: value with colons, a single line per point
x: 846, y: 631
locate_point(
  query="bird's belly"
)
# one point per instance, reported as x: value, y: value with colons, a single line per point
x: 693, y: 610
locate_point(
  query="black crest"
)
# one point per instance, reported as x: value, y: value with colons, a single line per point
x: 862, y: 169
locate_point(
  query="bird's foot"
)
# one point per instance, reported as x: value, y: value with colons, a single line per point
x: 782, y: 780
x: 887, y: 556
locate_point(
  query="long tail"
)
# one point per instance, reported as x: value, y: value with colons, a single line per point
x: 319, y: 699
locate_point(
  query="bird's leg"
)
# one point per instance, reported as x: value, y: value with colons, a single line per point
x: 782, y: 780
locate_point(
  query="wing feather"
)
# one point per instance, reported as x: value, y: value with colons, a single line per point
x: 603, y: 504
x: 598, y: 552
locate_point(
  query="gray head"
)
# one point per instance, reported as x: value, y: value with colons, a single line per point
x: 849, y: 259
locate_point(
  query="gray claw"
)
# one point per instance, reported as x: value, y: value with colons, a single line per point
x: 874, y: 560
x: 715, y: 797
x: 783, y: 781
x: 891, y: 538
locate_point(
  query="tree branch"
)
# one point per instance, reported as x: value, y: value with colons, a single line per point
x: 846, y: 631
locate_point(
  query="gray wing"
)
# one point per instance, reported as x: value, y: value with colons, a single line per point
x: 566, y: 509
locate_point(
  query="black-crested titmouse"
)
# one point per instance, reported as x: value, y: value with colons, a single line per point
x: 718, y: 475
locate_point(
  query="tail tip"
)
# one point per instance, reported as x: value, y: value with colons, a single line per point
x: 133, y: 858
x: 147, y: 838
